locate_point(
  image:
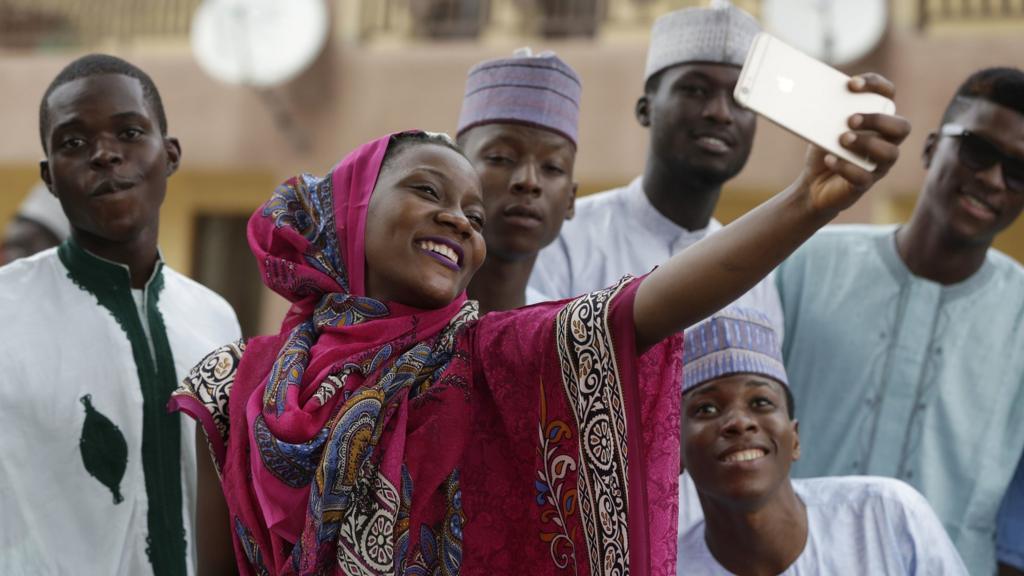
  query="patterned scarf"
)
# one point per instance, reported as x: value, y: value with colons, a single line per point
x: 314, y: 402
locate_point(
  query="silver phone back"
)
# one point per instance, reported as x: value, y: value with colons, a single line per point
x: 803, y: 95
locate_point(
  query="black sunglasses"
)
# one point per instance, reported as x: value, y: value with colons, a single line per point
x: 978, y: 153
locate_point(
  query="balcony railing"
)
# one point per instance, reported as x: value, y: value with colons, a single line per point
x: 930, y: 12
x: 55, y: 24
x: 452, y: 19
x: 43, y: 24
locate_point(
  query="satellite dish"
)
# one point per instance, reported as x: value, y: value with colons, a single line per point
x: 836, y: 31
x: 258, y: 43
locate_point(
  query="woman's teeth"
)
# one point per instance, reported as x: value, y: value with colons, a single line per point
x: 441, y: 249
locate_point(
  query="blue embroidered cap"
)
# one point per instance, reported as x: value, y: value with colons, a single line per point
x: 733, y: 341
x: 540, y: 90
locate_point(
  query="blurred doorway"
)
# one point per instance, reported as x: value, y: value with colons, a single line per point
x: 222, y: 262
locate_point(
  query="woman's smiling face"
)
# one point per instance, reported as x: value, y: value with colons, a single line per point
x: 424, y: 227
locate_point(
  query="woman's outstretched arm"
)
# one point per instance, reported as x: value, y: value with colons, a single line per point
x: 709, y: 275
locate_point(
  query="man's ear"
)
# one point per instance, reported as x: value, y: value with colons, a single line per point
x: 572, y: 201
x: 796, y: 440
x: 44, y: 173
x: 643, y: 111
x: 173, y: 150
x: 930, y: 142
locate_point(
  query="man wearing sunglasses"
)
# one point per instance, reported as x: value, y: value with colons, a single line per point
x: 905, y: 345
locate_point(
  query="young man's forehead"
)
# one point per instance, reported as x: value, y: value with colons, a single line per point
x: 74, y: 118
x: 112, y: 84
x: 514, y: 133
x: 748, y: 381
x: 121, y: 95
x: 711, y: 71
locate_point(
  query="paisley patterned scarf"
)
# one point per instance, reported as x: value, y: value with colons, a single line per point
x: 313, y: 403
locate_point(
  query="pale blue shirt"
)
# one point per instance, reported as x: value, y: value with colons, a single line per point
x: 855, y: 525
x: 898, y: 376
x: 619, y: 232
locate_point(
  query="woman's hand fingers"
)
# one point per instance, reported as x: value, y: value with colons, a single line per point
x: 893, y: 128
x: 876, y: 137
x: 833, y: 183
x: 872, y: 146
x: 856, y: 176
x: 872, y: 82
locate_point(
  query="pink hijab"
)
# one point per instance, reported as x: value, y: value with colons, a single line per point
x: 340, y: 354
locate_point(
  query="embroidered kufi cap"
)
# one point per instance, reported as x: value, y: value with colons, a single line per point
x: 539, y: 90
x: 721, y: 34
x: 733, y: 341
x: 42, y: 207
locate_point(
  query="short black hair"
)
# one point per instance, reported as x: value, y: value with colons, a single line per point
x: 98, y: 65
x: 1000, y: 85
x: 403, y: 140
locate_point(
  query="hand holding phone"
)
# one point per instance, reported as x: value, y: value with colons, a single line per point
x: 807, y: 97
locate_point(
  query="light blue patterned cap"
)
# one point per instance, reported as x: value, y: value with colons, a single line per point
x: 733, y: 341
x: 540, y: 90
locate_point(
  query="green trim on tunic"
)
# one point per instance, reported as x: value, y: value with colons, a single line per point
x: 110, y: 283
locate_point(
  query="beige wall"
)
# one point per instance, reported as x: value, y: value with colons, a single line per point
x: 234, y: 152
x: 15, y: 182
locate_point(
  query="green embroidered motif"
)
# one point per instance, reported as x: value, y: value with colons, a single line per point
x: 110, y: 283
x: 104, y: 450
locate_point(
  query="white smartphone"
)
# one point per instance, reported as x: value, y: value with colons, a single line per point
x: 807, y: 97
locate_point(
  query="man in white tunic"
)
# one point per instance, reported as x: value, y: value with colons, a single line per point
x: 904, y: 344
x: 700, y: 138
x: 96, y: 477
x: 739, y: 439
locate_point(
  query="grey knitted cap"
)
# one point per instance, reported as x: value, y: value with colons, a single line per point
x: 720, y: 34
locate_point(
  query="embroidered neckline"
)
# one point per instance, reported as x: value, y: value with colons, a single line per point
x: 110, y: 283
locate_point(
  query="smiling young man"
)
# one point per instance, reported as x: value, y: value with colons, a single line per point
x: 699, y: 139
x: 518, y: 126
x: 903, y: 343
x: 739, y: 439
x: 96, y: 476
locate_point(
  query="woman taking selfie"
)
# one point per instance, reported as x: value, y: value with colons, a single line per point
x: 388, y: 430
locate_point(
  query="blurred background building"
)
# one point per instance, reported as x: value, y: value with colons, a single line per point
x: 392, y: 64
